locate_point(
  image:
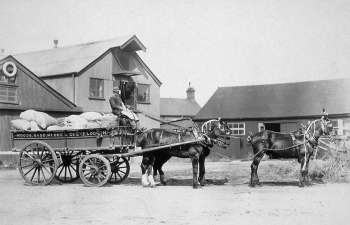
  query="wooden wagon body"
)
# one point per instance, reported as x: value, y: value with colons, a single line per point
x: 69, y: 154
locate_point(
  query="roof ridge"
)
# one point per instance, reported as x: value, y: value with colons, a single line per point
x: 127, y: 37
x: 286, y: 83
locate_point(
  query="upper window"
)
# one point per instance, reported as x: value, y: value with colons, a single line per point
x: 237, y: 128
x: 8, y: 89
x: 8, y: 94
x: 96, y: 88
x: 143, y: 93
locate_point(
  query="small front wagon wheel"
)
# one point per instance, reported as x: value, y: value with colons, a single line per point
x: 94, y: 170
x: 120, y: 169
x: 37, y: 163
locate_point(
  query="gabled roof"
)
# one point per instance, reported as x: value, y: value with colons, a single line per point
x: 287, y: 100
x: 178, y: 107
x: 73, y: 59
x: 63, y: 104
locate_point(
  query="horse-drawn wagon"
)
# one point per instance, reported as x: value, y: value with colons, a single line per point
x: 96, y: 156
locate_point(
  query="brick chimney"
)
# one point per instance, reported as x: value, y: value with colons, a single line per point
x: 190, y: 92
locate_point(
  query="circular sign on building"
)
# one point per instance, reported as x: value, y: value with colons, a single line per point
x: 9, y: 69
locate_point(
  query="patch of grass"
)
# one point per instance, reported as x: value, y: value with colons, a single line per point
x: 334, y: 166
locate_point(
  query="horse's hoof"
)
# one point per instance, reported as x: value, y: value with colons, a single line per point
x: 195, y: 186
x: 301, y: 184
x: 163, y: 183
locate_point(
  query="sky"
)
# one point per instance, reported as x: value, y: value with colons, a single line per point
x: 208, y: 43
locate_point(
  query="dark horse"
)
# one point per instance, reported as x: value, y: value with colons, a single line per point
x: 197, y: 152
x: 299, y: 145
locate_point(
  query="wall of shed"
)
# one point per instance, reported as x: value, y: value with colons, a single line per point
x: 33, y: 95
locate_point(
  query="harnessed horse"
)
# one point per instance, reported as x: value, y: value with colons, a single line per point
x: 299, y: 144
x: 196, y: 151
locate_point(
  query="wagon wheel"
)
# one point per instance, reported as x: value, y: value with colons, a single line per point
x: 67, y: 170
x: 120, y: 169
x: 94, y: 170
x: 37, y: 163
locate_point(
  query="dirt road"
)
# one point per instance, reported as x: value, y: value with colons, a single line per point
x: 230, y: 203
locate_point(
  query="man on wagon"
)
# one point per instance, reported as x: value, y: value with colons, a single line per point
x: 119, y: 109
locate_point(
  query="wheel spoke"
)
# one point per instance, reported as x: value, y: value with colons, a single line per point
x: 43, y: 175
x: 70, y: 173
x: 59, y: 174
x: 49, y: 160
x: 47, y: 170
x: 86, y: 174
x: 28, y: 171
x: 119, y: 175
x: 65, y: 173
x: 25, y: 166
x: 74, y: 169
x: 33, y: 174
x: 121, y: 171
x: 29, y: 156
x: 38, y: 174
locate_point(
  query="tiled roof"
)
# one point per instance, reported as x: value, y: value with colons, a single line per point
x: 279, y: 100
x: 72, y: 59
x: 178, y: 107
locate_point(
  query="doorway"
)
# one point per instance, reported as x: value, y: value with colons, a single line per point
x: 273, y: 127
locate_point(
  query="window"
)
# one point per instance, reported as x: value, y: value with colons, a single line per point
x: 237, y: 128
x: 8, y: 94
x: 338, y: 126
x: 143, y: 93
x: 96, y: 88
x: 8, y: 89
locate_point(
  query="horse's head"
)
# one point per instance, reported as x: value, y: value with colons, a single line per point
x: 326, y: 125
x: 216, y: 130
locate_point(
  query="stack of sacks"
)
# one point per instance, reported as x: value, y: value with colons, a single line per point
x: 33, y: 120
x: 20, y: 124
x: 38, y: 120
x: 75, y: 122
x: 93, y: 119
x: 109, y: 120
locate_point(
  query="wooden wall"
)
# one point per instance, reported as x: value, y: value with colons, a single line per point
x: 64, y: 85
x: 31, y: 94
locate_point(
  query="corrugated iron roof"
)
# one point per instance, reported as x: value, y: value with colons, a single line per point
x: 72, y: 59
x: 279, y: 100
x: 178, y: 107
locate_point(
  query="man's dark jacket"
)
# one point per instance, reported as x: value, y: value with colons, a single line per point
x: 116, y: 104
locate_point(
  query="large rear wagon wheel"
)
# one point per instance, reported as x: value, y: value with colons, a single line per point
x: 67, y: 170
x: 37, y: 163
x: 94, y: 170
x: 120, y: 169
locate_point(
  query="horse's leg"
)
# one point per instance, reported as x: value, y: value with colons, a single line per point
x: 307, y: 177
x: 195, y: 159
x: 161, y: 162
x: 144, y: 169
x: 254, y: 179
x: 201, y: 176
x: 149, y: 171
x: 302, y: 172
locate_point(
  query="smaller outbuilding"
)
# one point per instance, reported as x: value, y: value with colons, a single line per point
x: 178, y: 112
x: 278, y: 107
